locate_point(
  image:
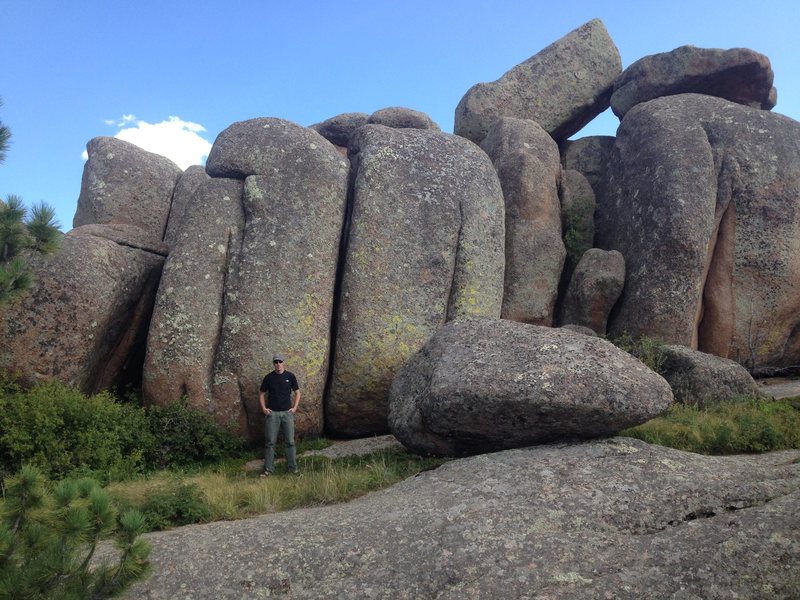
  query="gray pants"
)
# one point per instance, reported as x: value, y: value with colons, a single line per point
x: 283, y: 421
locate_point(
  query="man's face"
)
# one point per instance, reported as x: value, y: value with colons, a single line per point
x: 278, y: 366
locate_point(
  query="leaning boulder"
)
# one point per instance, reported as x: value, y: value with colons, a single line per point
x: 481, y: 385
x: 562, y: 88
x: 84, y: 322
x: 589, y: 156
x: 700, y: 379
x: 425, y: 245
x: 402, y: 118
x: 594, y: 288
x: 577, y: 219
x: 739, y: 75
x: 126, y: 185
x: 529, y: 169
x: 702, y: 203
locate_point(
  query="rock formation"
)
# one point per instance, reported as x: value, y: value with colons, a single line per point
x: 528, y: 166
x: 739, y: 75
x: 402, y: 118
x: 337, y: 130
x: 562, y: 88
x: 703, y: 205
x: 123, y: 184
x: 425, y: 244
x: 606, y: 519
x: 85, y: 320
x: 483, y: 385
x: 701, y: 379
x: 577, y: 220
x: 594, y: 289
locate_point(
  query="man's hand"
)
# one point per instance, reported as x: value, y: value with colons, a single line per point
x: 267, y: 411
x: 293, y: 410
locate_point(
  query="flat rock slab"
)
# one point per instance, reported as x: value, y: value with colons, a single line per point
x: 606, y: 519
x: 779, y: 387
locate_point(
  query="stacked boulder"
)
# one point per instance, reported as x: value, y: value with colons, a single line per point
x: 348, y: 246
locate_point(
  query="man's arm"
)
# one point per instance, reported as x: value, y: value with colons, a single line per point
x: 296, y: 402
x: 262, y: 401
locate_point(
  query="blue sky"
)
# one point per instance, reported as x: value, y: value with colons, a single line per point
x: 177, y: 73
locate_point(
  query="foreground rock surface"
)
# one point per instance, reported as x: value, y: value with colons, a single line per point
x: 606, y: 519
x: 488, y: 384
x: 562, y: 88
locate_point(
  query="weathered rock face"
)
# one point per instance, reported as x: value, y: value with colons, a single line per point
x: 589, y: 156
x: 481, y: 385
x: 337, y: 130
x: 594, y: 288
x: 123, y: 184
x: 425, y: 245
x: 529, y: 169
x: 85, y: 320
x: 739, y: 75
x: 606, y: 519
x: 402, y: 118
x: 282, y: 298
x: 185, y: 328
x: 562, y: 88
x: 252, y: 274
x: 191, y: 179
x: 256, y: 146
x: 702, y: 379
x: 703, y: 205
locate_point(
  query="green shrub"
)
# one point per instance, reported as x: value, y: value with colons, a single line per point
x: 61, y: 431
x: 187, y: 436
x: 180, y: 504
x: 48, y: 539
x: 742, y: 426
x: 648, y: 350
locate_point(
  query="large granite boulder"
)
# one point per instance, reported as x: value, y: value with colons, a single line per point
x: 594, y: 288
x: 605, y: 519
x: 425, y: 245
x: 562, y: 88
x: 739, y: 75
x: 187, y: 319
x: 529, y: 169
x: 701, y: 379
x: 255, y: 146
x: 703, y: 204
x: 337, y: 130
x: 84, y: 322
x: 123, y: 184
x: 402, y: 118
x: 282, y: 299
x: 481, y: 385
x: 183, y: 195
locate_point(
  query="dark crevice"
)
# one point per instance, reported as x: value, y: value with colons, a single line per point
x: 223, y: 304
x: 344, y: 241
x: 706, y: 512
x: 142, y: 248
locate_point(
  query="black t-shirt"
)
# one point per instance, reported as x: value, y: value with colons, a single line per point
x: 278, y: 387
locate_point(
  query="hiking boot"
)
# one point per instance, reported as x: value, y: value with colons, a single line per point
x: 266, y: 474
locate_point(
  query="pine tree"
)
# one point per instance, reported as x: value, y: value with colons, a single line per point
x: 21, y: 231
x: 48, y: 539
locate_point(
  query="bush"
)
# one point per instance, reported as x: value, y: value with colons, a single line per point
x: 648, y: 350
x: 187, y: 436
x: 64, y: 432
x: 61, y: 431
x: 742, y: 426
x: 48, y: 539
x: 180, y: 504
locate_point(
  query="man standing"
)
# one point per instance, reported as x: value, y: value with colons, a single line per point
x: 276, y: 403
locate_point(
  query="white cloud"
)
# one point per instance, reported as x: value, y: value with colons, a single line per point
x: 178, y: 140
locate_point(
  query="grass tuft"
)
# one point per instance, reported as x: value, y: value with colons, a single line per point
x: 735, y: 427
